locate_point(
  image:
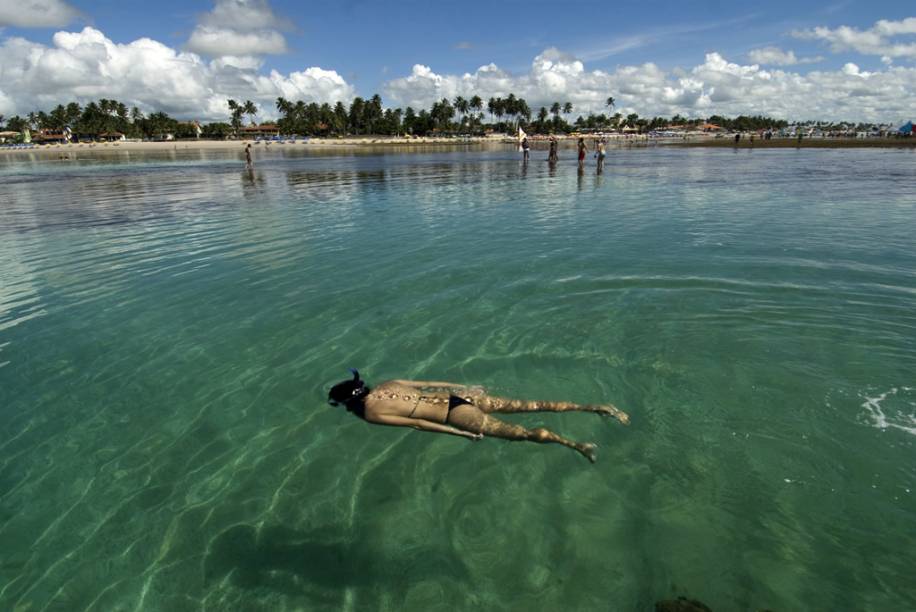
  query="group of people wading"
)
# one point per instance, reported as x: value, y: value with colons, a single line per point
x: 553, y: 157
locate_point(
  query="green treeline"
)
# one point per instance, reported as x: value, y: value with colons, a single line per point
x: 460, y: 116
x: 103, y: 117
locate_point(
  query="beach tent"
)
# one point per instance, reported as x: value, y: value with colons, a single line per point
x: 906, y: 129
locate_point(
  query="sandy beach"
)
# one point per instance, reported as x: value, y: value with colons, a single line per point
x: 228, y: 145
x: 54, y: 150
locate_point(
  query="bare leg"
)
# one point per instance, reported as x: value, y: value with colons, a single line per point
x: 488, y: 403
x: 471, y: 418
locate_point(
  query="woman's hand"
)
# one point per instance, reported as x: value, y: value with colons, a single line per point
x: 474, y: 436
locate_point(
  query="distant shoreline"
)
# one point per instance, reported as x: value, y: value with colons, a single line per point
x: 54, y: 150
x: 805, y: 143
x: 239, y: 145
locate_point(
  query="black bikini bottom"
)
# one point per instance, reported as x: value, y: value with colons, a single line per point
x: 454, y: 401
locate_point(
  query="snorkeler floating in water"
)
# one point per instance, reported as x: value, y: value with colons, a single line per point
x: 450, y: 408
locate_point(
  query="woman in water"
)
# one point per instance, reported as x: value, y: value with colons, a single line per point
x: 552, y: 156
x: 582, y: 150
x: 449, y: 408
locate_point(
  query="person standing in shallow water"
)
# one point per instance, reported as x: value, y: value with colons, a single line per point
x: 450, y: 408
x: 582, y: 150
x: 600, y: 154
x: 248, y: 155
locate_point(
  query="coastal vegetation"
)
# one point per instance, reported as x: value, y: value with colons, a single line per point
x: 361, y: 117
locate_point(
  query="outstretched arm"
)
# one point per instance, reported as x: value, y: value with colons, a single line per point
x: 423, y: 424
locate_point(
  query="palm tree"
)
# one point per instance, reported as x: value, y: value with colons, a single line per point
x: 610, y: 102
x: 284, y: 106
x: 1, y: 120
x: 462, y: 106
x: 250, y: 109
x: 524, y: 110
x: 374, y: 113
x: 340, y: 118
x: 491, y: 107
x: 458, y: 102
x: 555, y: 110
x: 59, y: 117
x: 510, y: 106
x: 476, y: 103
x: 73, y: 113
x: 298, y: 112
x: 542, y: 115
x: 236, y: 111
x: 567, y: 108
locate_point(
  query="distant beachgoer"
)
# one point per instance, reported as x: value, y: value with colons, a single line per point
x: 525, y: 148
x: 552, y: 156
x: 450, y: 408
x: 582, y: 150
x: 737, y: 138
x: 248, y: 155
x: 601, y: 154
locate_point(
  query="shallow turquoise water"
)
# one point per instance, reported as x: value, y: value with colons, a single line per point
x: 169, y: 326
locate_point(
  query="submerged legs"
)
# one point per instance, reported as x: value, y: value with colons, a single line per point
x: 489, y: 404
x: 471, y: 418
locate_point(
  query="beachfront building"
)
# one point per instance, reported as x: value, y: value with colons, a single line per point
x: 112, y: 136
x: 52, y: 136
x: 266, y: 130
x: 8, y: 136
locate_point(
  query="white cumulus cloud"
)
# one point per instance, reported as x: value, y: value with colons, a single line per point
x: 243, y: 15
x: 36, y: 13
x: 87, y: 65
x: 217, y: 42
x: 717, y: 86
x: 774, y: 56
x: 877, y: 40
x: 239, y: 28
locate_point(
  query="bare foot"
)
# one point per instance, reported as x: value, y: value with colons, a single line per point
x: 590, y: 451
x: 611, y: 411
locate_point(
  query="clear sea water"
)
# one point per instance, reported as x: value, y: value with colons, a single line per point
x: 170, y: 325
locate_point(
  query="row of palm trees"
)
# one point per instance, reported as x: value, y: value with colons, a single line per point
x: 460, y: 115
x: 97, y: 117
x: 363, y: 116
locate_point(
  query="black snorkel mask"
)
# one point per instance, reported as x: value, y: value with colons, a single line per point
x: 347, y: 391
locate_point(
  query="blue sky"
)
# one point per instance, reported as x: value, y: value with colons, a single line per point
x: 368, y: 41
x: 373, y: 46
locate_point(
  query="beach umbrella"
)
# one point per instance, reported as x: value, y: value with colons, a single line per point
x: 906, y: 128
